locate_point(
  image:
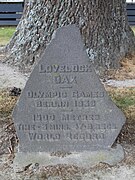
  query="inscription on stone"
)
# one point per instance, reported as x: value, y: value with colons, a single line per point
x: 64, y: 106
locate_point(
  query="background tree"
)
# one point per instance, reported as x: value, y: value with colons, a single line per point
x: 103, y: 25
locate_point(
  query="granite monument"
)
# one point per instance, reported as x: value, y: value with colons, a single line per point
x: 64, y: 106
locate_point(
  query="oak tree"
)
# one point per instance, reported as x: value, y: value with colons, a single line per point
x: 103, y: 25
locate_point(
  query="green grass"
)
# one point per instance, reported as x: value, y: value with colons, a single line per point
x: 124, y: 102
x: 6, y: 34
x: 124, y: 98
x: 133, y: 28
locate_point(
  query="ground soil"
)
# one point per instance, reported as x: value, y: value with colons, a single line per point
x: 11, y: 77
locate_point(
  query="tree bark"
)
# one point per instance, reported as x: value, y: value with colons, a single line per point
x: 103, y: 25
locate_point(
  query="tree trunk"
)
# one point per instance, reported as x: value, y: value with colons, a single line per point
x: 103, y: 25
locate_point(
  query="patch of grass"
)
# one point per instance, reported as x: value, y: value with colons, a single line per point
x: 133, y: 28
x: 5, y: 34
x: 7, y: 103
x: 124, y: 98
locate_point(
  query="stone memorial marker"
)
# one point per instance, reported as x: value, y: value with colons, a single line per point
x: 64, y: 106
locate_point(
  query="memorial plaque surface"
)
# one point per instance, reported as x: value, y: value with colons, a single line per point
x: 64, y: 106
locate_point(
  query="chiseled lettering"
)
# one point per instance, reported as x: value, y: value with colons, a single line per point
x: 80, y: 117
x: 109, y: 126
x: 52, y: 104
x: 26, y: 127
x: 43, y: 117
x: 82, y: 94
x: 62, y: 79
x: 48, y: 94
x: 95, y: 126
x: 55, y: 127
x: 85, y: 136
x: 83, y: 126
x: 84, y: 103
x: 43, y: 137
x: 65, y: 117
x: 55, y: 68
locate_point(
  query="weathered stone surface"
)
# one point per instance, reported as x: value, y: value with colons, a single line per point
x: 84, y: 159
x: 64, y: 106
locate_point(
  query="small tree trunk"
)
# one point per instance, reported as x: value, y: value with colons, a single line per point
x: 103, y: 25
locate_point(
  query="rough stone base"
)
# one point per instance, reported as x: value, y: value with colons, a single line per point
x: 84, y: 159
